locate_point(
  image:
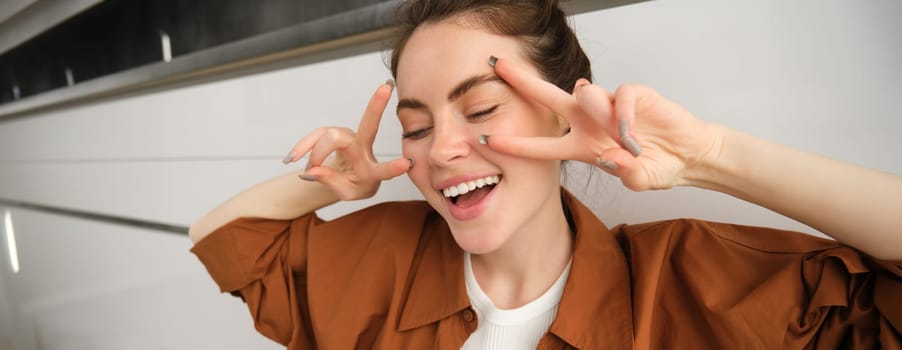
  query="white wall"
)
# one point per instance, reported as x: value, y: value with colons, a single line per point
x: 822, y: 76
x: 817, y: 75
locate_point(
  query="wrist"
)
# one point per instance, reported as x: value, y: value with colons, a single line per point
x: 715, y: 165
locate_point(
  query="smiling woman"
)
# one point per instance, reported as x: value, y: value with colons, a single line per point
x: 453, y: 108
x: 493, y: 96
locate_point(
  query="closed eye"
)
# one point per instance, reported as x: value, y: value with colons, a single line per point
x: 416, y: 134
x: 482, y: 113
x: 421, y: 133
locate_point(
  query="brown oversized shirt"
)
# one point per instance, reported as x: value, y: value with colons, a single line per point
x: 391, y: 277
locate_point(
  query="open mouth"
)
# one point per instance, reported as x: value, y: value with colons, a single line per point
x: 469, y: 193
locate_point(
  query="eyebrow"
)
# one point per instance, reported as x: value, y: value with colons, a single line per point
x: 455, y: 93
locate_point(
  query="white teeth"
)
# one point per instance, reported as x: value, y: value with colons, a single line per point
x: 468, y: 186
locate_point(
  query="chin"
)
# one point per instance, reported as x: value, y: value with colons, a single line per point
x: 477, y: 242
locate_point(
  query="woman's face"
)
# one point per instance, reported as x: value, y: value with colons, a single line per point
x: 448, y: 95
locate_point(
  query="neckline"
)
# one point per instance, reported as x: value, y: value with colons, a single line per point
x: 505, y: 317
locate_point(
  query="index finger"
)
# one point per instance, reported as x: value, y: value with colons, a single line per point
x: 369, y: 124
x: 535, y: 88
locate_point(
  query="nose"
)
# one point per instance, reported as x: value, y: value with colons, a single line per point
x: 450, y: 142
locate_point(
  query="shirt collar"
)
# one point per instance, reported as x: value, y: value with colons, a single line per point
x: 438, y: 289
x: 595, y: 311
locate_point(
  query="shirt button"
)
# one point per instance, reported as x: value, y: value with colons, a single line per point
x: 469, y: 315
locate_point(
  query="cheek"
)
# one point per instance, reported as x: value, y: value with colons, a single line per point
x: 419, y: 175
x: 418, y: 151
x: 419, y: 179
x: 525, y: 120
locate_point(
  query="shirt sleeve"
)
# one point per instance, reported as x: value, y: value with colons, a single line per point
x: 852, y: 301
x: 771, y: 288
x: 263, y: 261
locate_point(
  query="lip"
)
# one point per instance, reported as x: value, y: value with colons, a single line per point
x: 473, y: 211
x: 454, y: 181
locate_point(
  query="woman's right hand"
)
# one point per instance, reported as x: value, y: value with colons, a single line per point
x: 353, y: 173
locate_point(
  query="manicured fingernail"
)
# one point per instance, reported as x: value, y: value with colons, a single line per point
x: 411, y: 162
x: 390, y: 83
x: 631, y: 145
x: 308, y: 177
x: 628, y: 142
x: 289, y: 157
x: 624, y: 127
x: 492, y: 61
x: 484, y: 139
x: 607, y: 164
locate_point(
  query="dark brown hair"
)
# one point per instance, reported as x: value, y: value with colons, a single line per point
x: 539, y: 24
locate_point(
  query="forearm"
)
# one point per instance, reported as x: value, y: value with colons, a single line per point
x: 283, y: 197
x: 857, y: 206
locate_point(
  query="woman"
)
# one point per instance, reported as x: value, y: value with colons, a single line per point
x: 493, y: 95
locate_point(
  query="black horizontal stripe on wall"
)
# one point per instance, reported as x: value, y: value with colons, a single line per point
x: 94, y: 216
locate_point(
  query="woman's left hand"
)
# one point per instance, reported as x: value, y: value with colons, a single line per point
x: 635, y: 134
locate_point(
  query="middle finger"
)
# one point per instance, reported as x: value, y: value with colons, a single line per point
x: 537, y: 89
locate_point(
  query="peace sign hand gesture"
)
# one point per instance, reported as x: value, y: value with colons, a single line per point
x: 635, y: 134
x: 354, y: 172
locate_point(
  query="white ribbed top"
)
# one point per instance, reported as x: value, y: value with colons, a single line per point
x: 519, y: 328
